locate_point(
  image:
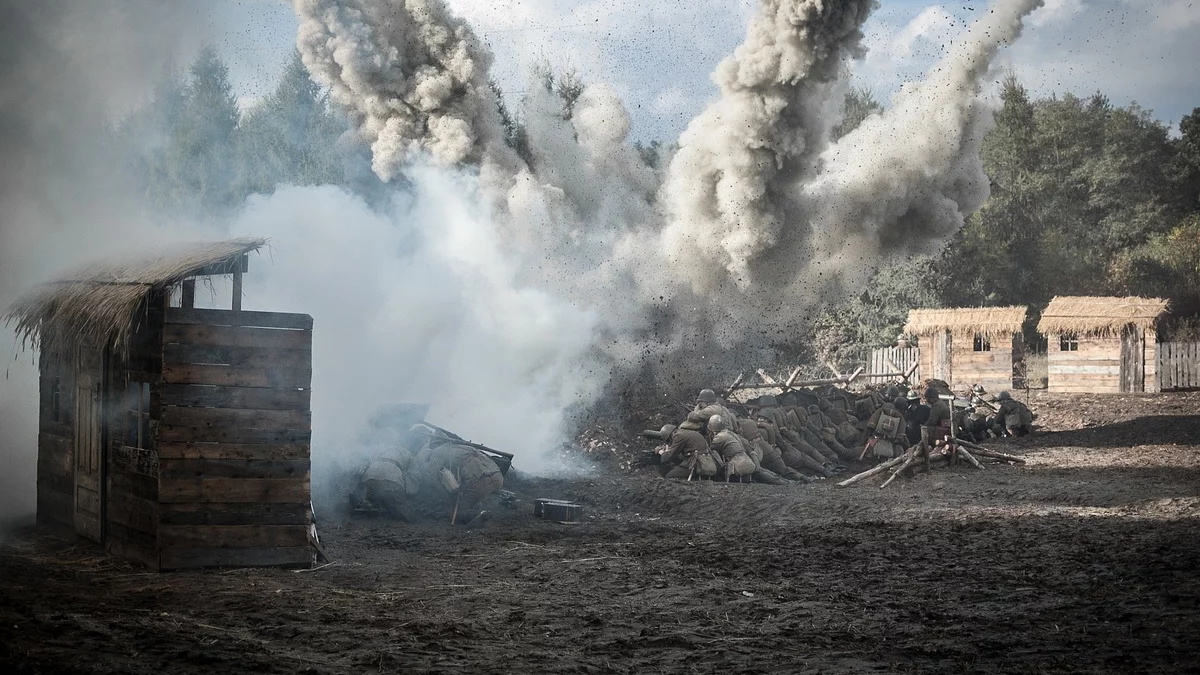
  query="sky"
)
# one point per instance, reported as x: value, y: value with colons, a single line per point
x: 659, y: 55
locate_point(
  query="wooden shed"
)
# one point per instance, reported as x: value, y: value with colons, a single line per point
x: 174, y: 436
x: 1102, y: 344
x: 966, y: 346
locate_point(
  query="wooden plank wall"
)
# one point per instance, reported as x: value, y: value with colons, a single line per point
x: 131, y: 509
x: 880, y: 370
x: 56, y: 440
x: 1094, y: 368
x: 234, y: 439
x: 1178, y: 366
x: 992, y: 369
x: 1150, y: 340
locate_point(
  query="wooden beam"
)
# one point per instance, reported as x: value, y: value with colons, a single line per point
x: 220, y: 317
x: 237, y: 289
x: 189, y: 294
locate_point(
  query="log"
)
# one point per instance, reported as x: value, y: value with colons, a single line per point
x: 873, y: 472
x: 994, y: 454
x: 907, y: 463
x: 970, y: 459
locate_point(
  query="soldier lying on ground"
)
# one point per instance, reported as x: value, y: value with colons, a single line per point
x: 387, y: 483
x: 457, y: 478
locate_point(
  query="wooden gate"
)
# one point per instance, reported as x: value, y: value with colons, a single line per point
x: 886, y: 362
x: 89, y: 418
x: 1179, y: 365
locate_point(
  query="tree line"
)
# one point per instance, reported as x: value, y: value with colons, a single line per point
x: 1087, y: 197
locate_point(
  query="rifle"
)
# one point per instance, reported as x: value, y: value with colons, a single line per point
x: 506, y: 458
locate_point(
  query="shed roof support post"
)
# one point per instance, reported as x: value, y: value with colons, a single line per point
x: 237, y: 289
x: 188, y: 301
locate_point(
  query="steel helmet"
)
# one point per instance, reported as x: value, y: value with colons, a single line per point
x: 707, y: 396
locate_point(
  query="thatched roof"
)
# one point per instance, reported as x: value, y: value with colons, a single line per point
x: 1088, y: 315
x: 98, y: 302
x: 989, y: 321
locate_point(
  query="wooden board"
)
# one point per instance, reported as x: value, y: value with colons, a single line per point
x: 255, y: 357
x: 190, y: 558
x: 233, y: 434
x: 266, y: 452
x: 237, y: 336
x: 282, y: 420
x: 232, y: 468
x: 229, y: 376
x: 133, y: 484
x: 54, y: 455
x: 232, y: 536
x: 235, y: 490
x: 234, y: 514
x: 132, y: 512
x: 223, y: 317
x: 254, y: 398
x: 56, y: 508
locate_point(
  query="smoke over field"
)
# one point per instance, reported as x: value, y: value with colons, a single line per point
x: 756, y: 217
x: 505, y: 280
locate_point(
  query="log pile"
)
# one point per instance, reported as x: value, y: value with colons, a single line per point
x: 946, y: 452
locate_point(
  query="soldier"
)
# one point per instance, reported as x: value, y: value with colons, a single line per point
x: 828, y: 433
x: 937, y: 426
x: 794, y: 435
x: 915, y: 417
x: 766, y: 455
x: 707, y: 405
x: 463, y: 476
x: 727, y: 444
x: 886, y: 427
x: 388, y: 483
x: 791, y: 456
x: 1012, y: 416
x: 687, y: 452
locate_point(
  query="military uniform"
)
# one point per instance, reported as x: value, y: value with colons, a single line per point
x: 459, y: 474
x: 389, y: 483
x: 685, y: 448
x: 887, y: 431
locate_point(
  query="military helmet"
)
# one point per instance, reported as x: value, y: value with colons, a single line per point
x: 813, y: 409
x: 913, y: 395
x: 707, y: 396
x: 1004, y: 396
x: 978, y: 389
x: 690, y: 425
x: 716, y: 423
x: 767, y: 401
x: 788, y: 399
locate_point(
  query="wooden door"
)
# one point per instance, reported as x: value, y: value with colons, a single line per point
x: 940, y: 359
x: 1133, y: 361
x: 89, y: 416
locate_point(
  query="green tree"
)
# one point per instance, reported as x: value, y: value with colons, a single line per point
x: 860, y: 104
x: 291, y: 137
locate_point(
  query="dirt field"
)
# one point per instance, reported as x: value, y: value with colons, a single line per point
x: 1085, y: 560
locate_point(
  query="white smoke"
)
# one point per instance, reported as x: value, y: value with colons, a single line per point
x: 756, y: 218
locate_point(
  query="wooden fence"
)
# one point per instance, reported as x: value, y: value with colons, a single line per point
x: 1178, y: 365
x: 887, y: 364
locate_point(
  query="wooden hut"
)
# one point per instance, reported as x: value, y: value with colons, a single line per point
x: 970, y: 345
x: 1102, y: 344
x: 174, y: 436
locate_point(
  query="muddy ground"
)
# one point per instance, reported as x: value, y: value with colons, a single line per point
x: 1087, y: 559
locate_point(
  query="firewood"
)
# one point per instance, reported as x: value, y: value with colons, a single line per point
x: 907, y: 463
x: 970, y: 459
x: 874, y: 471
x: 995, y: 454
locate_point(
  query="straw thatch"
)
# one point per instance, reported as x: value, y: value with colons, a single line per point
x: 1106, y: 316
x: 987, y: 321
x: 98, y: 303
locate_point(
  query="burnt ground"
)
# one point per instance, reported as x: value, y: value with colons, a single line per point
x: 1087, y: 559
